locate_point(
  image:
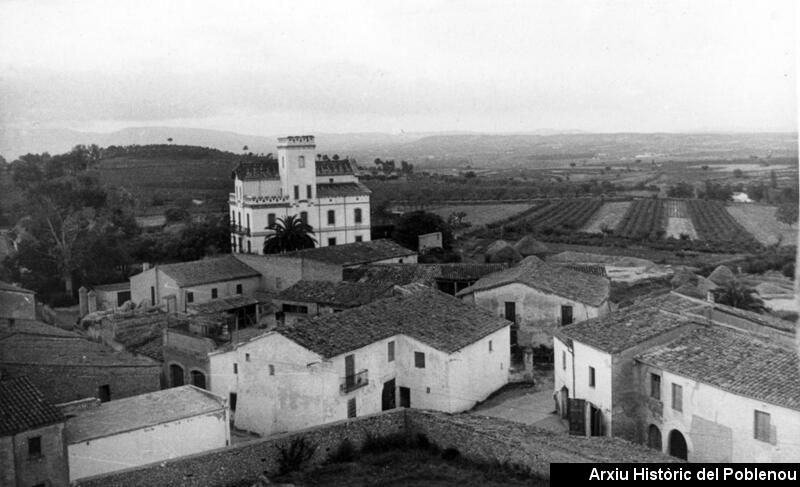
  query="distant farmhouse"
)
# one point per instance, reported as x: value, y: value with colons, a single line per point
x: 324, y: 193
x: 422, y: 350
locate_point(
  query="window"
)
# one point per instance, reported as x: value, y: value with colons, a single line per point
x: 331, y: 217
x: 235, y: 368
x: 213, y: 293
x: 566, y: 315
x: 271, y: 369
x: 359, y: 238
x: 351, y: 407
x: 198, y: 379
x: 677, y: 397
x: 238, y: 289
x: 490, y: 345
x: 591, y: 377
x: 152, y: 296
x: 419, y: 360
x: 104, y: 393
x: 761, y: 426
x: 564, y: 360
x: 308, y: 192
x: 247, y: 357
x: 232, y: 401
x: 34, y: 447
x: 294, y: 308
x: 304, y: 216
x: 190, y: 297
x: 655, y: 386
x: 330, y: 180
x: 296, y: 192
x: 357, y: 215
x: 248, y: 222
x: 331, y: 242
x: 249, y: 247
x: 390, y: 351
x: 270, y: 220
x: 301, y: 161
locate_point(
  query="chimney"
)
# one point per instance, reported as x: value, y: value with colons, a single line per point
x: 709, y: 296
x: 145, y: 266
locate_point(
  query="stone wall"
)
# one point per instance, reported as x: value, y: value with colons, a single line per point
x: 478, y: 438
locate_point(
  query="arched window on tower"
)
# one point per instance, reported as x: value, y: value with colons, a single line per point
x: 301, y: 161
x: 357, y: 215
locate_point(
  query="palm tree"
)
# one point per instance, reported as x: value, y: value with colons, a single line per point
x: 291, y: 233
x: 739, y: 296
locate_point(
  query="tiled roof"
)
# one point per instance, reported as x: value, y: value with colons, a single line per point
x: 257, y: 170
x: 401, y: 274
x: 467, y: 272
x: 734, y: 361
x: 117, y: 286
x: 22, y: 407
x: 207, y: 271
x: 333, y: 190
x: 138, y: 412
x: 4, y: 286
x: 342, y: 294
x: 623, y: 329
x: 152, y: 347
x: 595, y: 269
x: 354, y: 253
x: 32, y: 327
x: 441, y: 321
x: 226, y: 303
x: 334, y: 168
x: 64, y: 351
x: 561, y: 281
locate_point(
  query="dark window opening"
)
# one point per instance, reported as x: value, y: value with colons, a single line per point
x: 761, y: 427
x: 238, y: 289
x: 104, y: 393
x: 232, y: 401
x: 591, y: 377
x: 390, y: 351
x: 190, y: 297
x: 214, y: 293
x: 566, y: 315
x: 308, y: 192
x: 331, y: 242
x: 357, y: 215
x: 359, y: 238
x: 655, y: 386
x: 419, y: 360
x: 198, y: 379
x: 35, y: 447
x: 297, y: 192
x: 331, y: 217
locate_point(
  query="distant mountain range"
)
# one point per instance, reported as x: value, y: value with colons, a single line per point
x: 431, y: 149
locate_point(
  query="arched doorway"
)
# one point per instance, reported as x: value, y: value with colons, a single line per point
x: 199, y: 379
x: 654, y: 437
x: 563, y: 402
x: 175, y: 375
x: 677, y: 445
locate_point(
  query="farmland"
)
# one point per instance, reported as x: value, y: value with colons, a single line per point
x: 479, y: 215
x: 607, y: 217
x: 645, y: 219
x: 562, y: 215
x: 760, y: 221
x: 715, y: 225
x: 678, y: 223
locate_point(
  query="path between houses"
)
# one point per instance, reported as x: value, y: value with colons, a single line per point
x: 528, y: 405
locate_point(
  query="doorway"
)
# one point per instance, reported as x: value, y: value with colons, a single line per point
x: 677, y: 445
x: 388, y: 396
x: 405, y: 397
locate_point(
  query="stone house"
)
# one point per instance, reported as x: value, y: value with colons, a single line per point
x: 144, y: 429
x: 538, y: 297
x: 65, y: 366
x: 280, y: 271
x: 177, y: 286
x: 33, y: 450
x: 111, y: 296
x: 594, y: 385
x: 16, y: 303
x: 422, y: 350
x: 310, y: 298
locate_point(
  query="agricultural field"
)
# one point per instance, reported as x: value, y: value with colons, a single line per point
x: 760, y: 221
x: 678, y: 221
x: 714, y: 224
x: 645, y: 218
x: 479, y: 215
x: 567, y: 214
x: 607, y: 217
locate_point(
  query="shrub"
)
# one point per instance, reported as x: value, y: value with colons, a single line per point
x: 291, y: 459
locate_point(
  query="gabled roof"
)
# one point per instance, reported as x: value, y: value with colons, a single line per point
x: 432, y: 317
x: 401, y: 274
x: 354, y: 253
x: 341, y: 294
x: 333, y: 190
x: 734, y: 361
x: 223, y: 304
x: 32, y: 327
x: 558, y: 280
x: 117, y: 286
x: 139, y: 412
x: 208, y: 271
x: 23, y: 407
x: 5, y: 286
x: 24, y: 349
x: 626, y: 328
x: 257, y: 170
x: 341, y: 167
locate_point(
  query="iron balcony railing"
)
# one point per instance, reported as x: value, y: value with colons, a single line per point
x: 240, y: 230
x: 353, y: 382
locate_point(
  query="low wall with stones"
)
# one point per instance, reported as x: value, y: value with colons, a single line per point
x: 478, y: 438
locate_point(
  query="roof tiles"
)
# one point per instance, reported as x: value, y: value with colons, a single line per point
x: 23, y: 407
x: 207, y: 271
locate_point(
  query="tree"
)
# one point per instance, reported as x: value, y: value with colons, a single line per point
x: 787, y: 213
x: 245, y: 149
x: 739, y: 296
x: 681, y: 190
x: 291, y: 233
x: 412, y: 225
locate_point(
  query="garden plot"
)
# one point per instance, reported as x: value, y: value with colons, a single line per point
x: 678, y: 221
x: 608, y: 216
x: 760, y: 220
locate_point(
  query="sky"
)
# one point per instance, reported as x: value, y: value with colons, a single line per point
x: 265, y: 67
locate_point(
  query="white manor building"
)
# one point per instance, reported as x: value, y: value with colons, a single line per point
x: 325, y: 193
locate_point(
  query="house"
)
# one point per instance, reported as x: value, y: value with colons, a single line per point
x: 594, y: 384
x: 112, y: 296
x: 145, y: 429
x: 65, y: 366
x: 538, y: 297
x: 179, y: 285
x: 448, y: 278
x: 16, y: 302
x: 325, y: 194
x: 739, y: 197
x: 32, y: 447
x: 311, y: 298
x: 618, y: 268
x: 423, y: 349
x: 280, y: 271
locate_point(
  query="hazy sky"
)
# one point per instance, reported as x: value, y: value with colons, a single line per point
x: 266, y: 67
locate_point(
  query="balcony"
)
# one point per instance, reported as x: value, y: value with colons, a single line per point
x: 239, y: 230
x: 353, y: 382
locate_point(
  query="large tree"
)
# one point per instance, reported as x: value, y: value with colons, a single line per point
x: 291, y: 233
x: 739, y: 296
x: 413, y: 224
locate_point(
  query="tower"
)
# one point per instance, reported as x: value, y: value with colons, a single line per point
x: 297, y: 167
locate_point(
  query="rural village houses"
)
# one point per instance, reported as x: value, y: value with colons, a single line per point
x: 424, y: 349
